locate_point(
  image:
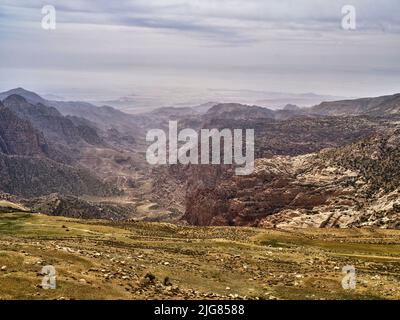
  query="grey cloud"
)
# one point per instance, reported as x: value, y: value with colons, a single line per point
x: 227, y: 20
x: 279, y: 44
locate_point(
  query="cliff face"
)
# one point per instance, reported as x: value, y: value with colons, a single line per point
x: 296, y: 183
x: 51, y: 122
x: 208, y: 189
x: 19, y: 137
x: 280, y: 183
x: 356, y: 185
x: 30, y: 166
x: 209, y: 192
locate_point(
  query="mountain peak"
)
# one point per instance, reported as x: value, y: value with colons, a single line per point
x: 29, y: 96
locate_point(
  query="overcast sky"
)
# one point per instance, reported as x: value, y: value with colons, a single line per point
x: 113, y: 48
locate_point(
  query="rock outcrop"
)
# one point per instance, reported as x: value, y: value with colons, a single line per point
x: 51, y: 122
x: 18, y: 137
x: 355, y: 185
x: 29, y: 165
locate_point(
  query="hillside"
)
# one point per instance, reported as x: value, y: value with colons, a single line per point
x: 51, y: 122
x: 32, y: 176
x: 137, y: 260
x: 351, y: 186
x: 32, y: 163
x: 19, y: 137
x: 234, y: 111
x: 30, y: 96
x: 104, y: 117
x: 379, y: 106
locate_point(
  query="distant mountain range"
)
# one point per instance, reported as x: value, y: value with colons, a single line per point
x: 147, y: 100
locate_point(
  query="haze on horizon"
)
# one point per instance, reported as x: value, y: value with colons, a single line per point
x: 107, y: 49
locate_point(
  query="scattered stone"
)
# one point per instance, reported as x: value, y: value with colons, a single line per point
x: 149, y: 278
x: 167, y: 282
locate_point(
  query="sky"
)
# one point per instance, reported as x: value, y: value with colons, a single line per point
x: 108, y: 49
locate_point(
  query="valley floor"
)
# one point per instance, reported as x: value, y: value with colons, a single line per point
x: 139, y: 260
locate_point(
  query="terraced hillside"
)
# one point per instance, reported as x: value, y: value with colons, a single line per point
x: 103, y: 260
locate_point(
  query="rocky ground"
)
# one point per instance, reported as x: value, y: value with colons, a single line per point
x: 96, y: 259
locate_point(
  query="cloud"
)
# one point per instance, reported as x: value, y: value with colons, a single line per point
x: 227, y: 20
x: 255, y: 44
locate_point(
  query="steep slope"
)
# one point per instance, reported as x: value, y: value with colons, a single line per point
x: 99, y: 118
x: 105, y: 117
x: 18, y: 137
x: 355, y: 185
x: 292, y: 137
x: 51, y: 122
x: 29, y: 96
x: 31, y: 166
x: 301, y: 135
x: 32, y: 176
x: 277, y: 184
x: 390, y: 106
x: 376, y: 159
x: 379, y: 106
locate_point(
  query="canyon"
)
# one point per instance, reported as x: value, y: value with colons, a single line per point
x: 331, y: 165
